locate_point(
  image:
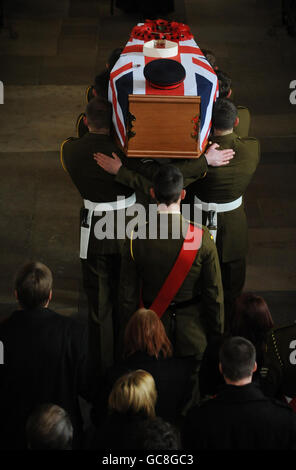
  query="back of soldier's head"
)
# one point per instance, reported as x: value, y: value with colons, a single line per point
x: 33, y: 284
x: 49, y: 428
x: 168, y: 184
x: 224, y: 84
x: 98, y: 113
x: 224, y: 114
x: 113, y: 57
x: 237, y: 358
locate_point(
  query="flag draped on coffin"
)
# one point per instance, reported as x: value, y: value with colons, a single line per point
x: 127, y: 78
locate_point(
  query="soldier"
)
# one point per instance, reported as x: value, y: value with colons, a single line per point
x: 99, y: 88
x: 187, y: 294
x: 100, y: 257
x: 220, y: 194
x: 242, y: 125
x: 279, y: 364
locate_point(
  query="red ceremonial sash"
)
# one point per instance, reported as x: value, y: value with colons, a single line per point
x: 179, y: 271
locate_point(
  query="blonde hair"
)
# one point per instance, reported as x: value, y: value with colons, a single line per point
x: 134, y: 392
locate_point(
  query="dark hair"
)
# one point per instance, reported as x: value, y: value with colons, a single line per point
x: 209, y: 55
x: 145, y: 332
x: 252, y: 319
x: 237, y: 357
x: 224, y: 83
x: 113, y: 57
x: 168, y: 184
x: 98, y: 113
x: 158, y: 434
x: 101, y: 84
x: 33, y: 284
x: 49, y: 428
x: 224, y: 114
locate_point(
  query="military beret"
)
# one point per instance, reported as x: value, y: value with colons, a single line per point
x: 164, y: 73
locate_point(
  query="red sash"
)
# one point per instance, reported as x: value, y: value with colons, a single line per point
x: 179, y: 271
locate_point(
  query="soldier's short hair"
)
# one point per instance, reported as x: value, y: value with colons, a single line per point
x: 113, y: 57
x: 224, y: 114
x: 168, y: 184
x: 237, y: 358
x: 224, y: 83
x: 49, y: 428
x: 98, y: 113
x: 33, y: 284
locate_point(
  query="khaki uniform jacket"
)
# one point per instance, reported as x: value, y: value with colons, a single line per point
x: 93, y: 183
x: 225, y: 184
x: 146, y: 264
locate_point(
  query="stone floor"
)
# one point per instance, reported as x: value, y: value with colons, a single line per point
x: 60, y: 46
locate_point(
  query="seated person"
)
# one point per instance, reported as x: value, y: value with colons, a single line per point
x: 49, y: 428
x: 240, y: 416
x: 146, y: 346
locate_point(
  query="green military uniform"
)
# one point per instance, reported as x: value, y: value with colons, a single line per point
x: 141, y: 179
x: 243, y: 127
x: 102, y: 266
x: 198, y: 310
x: 223, y: 185
x: 278, y: 371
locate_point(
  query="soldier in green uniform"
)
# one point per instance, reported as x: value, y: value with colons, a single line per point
x: 220, y: 194
x: 99, y: 88
x: 278, y: 372
x: 242, y: 125
x: 100, y: 257
x: 195, y: 312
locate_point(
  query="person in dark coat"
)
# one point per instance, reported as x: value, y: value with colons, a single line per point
x: 252, y: 320
x: 44, y: 358
x: 240, y: 416
x: 147, y: 347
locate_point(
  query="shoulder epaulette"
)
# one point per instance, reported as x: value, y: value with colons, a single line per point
x: 87, y: 93
x: 61, y: 151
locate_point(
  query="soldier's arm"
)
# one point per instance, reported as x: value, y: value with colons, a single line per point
x: 138, y: 175
x: 212, y: 289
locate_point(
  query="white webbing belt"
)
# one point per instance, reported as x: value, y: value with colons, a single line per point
x: 100, y: 207
x: 217, y: 208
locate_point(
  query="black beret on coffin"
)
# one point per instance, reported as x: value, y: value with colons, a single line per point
x: 164, y: 73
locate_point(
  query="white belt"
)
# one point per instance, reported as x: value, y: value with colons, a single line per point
x: 217, y: 208
x: 100, y: 207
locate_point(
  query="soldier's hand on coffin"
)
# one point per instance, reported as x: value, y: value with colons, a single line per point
x: 216, y: 157
x: 111, y: 165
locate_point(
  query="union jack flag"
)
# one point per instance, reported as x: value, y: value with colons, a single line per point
x: 127, y: 78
